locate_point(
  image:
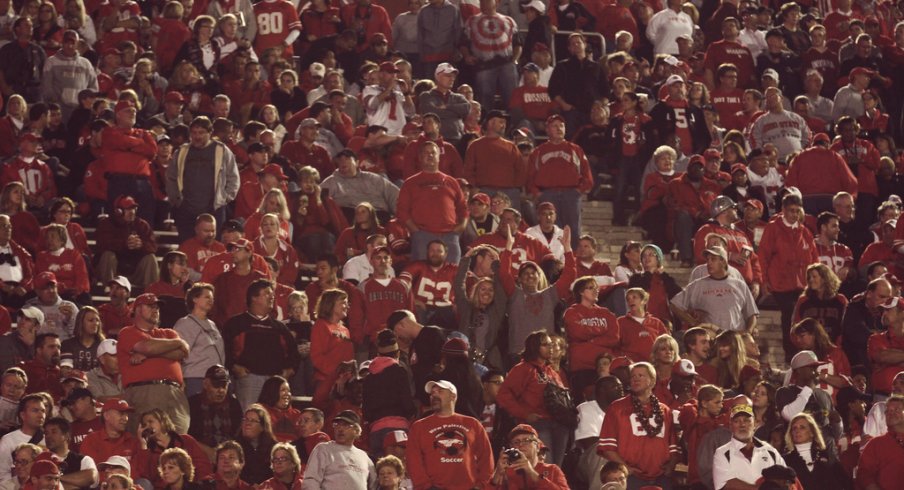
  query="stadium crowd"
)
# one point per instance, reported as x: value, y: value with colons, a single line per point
x: 380, y: 276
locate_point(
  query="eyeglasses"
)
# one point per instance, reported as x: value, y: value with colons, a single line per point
x: 522, y: 442
x: 22, y: 462
x: 251, y: 421
x: 280, y: 459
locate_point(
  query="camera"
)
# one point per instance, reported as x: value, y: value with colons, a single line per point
x: 512, y: 454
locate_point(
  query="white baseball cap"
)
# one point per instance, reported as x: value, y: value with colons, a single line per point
x: 446, y: 385
x: 536, y: 5
x: 108, y: 346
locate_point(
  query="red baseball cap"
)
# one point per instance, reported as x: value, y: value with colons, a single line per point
x: 861, y: 71
x: 555, y: 117
x: 123, y: 105
x: 712, y: 153
x: 739, y: 167
x: 44, y: 467
x: 240, y: 243
x: 522, y: 429
x: 117, y: 404
x: 388, y: 67
x: 45, y: 279
x: 174, y: 97
x: 821, y: 138
x: 146, y: 299
x: 546, y: 205
x: 29, y: 137
x: 275, y: 170
x: 480, y: 197
x: 126, y: 202
x: 618, y: 362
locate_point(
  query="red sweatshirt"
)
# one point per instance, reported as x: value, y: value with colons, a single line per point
x: 381, y: 301
x: 449, y: 452
x: 198, y: 254
x: 637, y: 338
x: 507, y: 170
x: 785, y: 253
x: 865, y: 157
x: 521, y: 394
x: 820, y: 170
x: 449, y: 159
x: 128, y: 151
x: 562, y: 165
x: 694, y: 200
x: 356, y: 314
x: 331, y: 345
x: 591, y: 331
x: 433, y: 201
x: 69, y: 267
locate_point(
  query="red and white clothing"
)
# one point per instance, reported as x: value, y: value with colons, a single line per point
x: 434, y: 201
x: 738, y: 243
x: 127, y: 10
x: 277, y: 25
x: 389, y: 113
x: 431, y: 286
x: 69, y: 267
x: 285, y: 255
x: 449, y: 452
x: 558, y: 166
x: 128, y: 151
x: 533, y: 102
x: 33, y: 173
x: 725, y: 51
x: 623, y: 433
x: 491, y: 36
x: 198, y: 253
x: 786, y: 252
x: 526, y: 248
x: 381, y: 298
x: 638, y: 334
x: 863, y: 156
x: 836, y: 256
x: 591, y: 331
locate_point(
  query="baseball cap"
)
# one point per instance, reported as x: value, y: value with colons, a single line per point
x: 126, y: 202
x: 240, y: 243
x: 446, y: 385
x: 308, y: 122
x: 712, y: 153
x: 696, y: 160
x: 620, y: 362
x: 77, y: 394
x: 378, y: 38
x: 546, y: 205
x: 395, y: 438
x: 718, y: 252
x: 522, y: 429
x: 146, y: 299
x: 554, y: 118
x: 75, y: 375
x: 388, y: 67
x: 234, y: 225
x: 84, y: 94
x: 481, y: 197
x: 123, y: 105
x: 741, y: 409
x: 108, y: 346
x: 532, y: 67
x: 218, y: 375
x: 739, y: 167
x: 684, y: 367
x: 117, y: 404
x: 770, y: 72
x: 674, y: 79
x: 317, y: 69
x: 821, y: 138
x: 349, y: 417
x: 44, y: 467
x: 536, y: 5
x: 115, y: 462
x: 45, y: 279
x: 174, y: 97
x: 31, y: 137
x: 754, y: 203
x: 445, y: 69
x: 66, y: 360
x: 497, y: 113
x: 805, y: 358
x: 861, y: 71
x: 274, y: 170
x: 541, y: 47
x: 122, y: 281
x: 455, y: 347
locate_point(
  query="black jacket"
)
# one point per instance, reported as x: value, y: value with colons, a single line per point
x: 579, y: 82
x: 665, y: 119
x: 387, y: 391
x: 825, y: 474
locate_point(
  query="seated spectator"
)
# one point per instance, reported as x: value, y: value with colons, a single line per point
x: 730, y: 466
x: 215, y: 414
x: 59, y: 314
x: 273, y: 202
x: 24, y: 224
x: 803, y: 395
x: 39, y: 186
x: 116, y: 313
x: 876, y: 466
x: 352, y: 241
x: 67, y: 264
x: 430, y: 281
x: 160, y: 436
x: 202, y: 246
x: 310, y: 433
x: 17, y: 277
x: 104, y: 380
x: 61, y: 212
x: 177, y: 469
x: 271, y: 245
x: 126, y: 245
x: 336, y: 462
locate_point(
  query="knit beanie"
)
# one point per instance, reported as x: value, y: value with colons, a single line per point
x: 655, y: 249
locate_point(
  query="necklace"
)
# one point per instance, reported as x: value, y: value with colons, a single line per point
x: 651, y: 429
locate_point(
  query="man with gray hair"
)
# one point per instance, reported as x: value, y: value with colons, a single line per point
x: 18, y: 346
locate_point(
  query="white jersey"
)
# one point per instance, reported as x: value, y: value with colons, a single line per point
x: 390, y: 113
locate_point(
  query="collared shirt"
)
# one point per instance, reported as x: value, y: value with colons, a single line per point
x: 729, y: 463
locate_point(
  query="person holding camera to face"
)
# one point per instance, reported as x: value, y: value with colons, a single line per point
x: 519, y: 464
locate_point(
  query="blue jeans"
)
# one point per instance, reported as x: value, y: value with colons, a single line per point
x: 421, y: 239
x: 554, y: 436
x: 568, y: 209
x: 132, y: 185
x: 684, y: 234
x: 488, y: 82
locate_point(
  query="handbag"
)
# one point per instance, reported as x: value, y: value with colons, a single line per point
x: 558, y: 402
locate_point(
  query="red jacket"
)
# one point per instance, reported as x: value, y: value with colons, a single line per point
x: 637, y: 338
x: 786, y: 253
x: 557, y: 166
x: 331, y: 345
x: 113, y: 233
x: 521, y: 394
x: 128, y: 151
x: 737, y: 240
x: 433, y: 201
x: 591, y: 331
x: 655, y: 189
x: 820, y: 170
x: 69, y: 268
x: 693, y: 200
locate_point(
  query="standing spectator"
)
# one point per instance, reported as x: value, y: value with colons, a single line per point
x: 23, y: 63
x: 690, y: 196
x: 863, y: 159
x: 339, y: 463
x: 508, y: 171
x: 388, y: 102
x: 127, y: 153
x: 366, y: 19
x: 558, y: 172
x: 388, y: 401
x: 885, y: 348
x: 666, y: 26
x: 638, y: 431
x: 383, y: 293
x: 349, y: 186
x: 546, y: 230
x: 331, y: 342
x: 835, y: 255
x: 66, y: 74
x: 126, y: 245
x: 818, y: 172
x: 849, y: 99
x: 446, y: 449
x: 491, y: 47
x: 257, y: 345
x: 155, y: 381
x: 449, y: 158
x: 432, y: 206
x: 404, y: 35
x: 35, y: 176
x: 741, y: 255
x: 786, y: 64
x: 430, y: 280
x: 450, y: 107
x: 729, y: 50
x: 675, y: 115
x: 784, y: 129
x: 208, y: 168
x: 731, y: 467
x: 786, y: 250
x: 803, y: 395
x: 878, y: 466
x: 592, y: 332
x: 278, y: 26
x: 231, y: 286
x: 576, y: 83
x: 438, y: 31
x: 206, y: 348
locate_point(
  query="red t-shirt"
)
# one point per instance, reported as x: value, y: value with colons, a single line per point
x: 733, y: 52
x: 153, y: 368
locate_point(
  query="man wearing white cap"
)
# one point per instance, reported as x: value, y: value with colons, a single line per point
x: 802, y: 395
x: 103, y: 380
x: 675, y: 115
x: 740, y: 463
x: 387, y: 102
x: 448, y: 450
x: 718, y: 298
x: 451, y: 107
x: 18, y: 346
x: 785, y: 129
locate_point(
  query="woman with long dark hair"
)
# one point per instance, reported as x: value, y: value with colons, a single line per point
x: 276, y: 397
x: 765, y: 414
x: 809, y: 334
x: 87, y: 335
x: 628, y: 262
x: 331, y: 342
x: 821, y: 301
x: 257, y: 440
x: 521, y: 394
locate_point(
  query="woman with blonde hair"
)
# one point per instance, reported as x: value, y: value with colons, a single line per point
x: 730, y: 360
x: 177, y: 470
x: 26, y: 228
x: 269, y: 115
x: 117, y: 481
x: 638, y: 328
x: 273, y: 202
x: 481, y: 312
x: 87, y: 335
x: 816, y: 465
x: 352, y: 241
x: 163, y: 441
x: 75, y: 17
x: 663, y: 357
x: 317, y: 220
x: 270, y: 244
x: 821, y: 300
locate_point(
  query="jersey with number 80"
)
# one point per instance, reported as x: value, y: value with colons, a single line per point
x: 275, y: 20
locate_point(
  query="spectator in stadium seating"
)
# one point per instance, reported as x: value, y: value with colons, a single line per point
x: 662, y: 287
x: 860, y: 154
x: 350, y: 187
x: 202, y: 246
x: 691, y: 194
x: 65, y: 74
x: 785, y: 129
x: 86, y: 338
x: 176, y: 470
x: 491, y: 56
x: 25, y: 62
x: 885, y: 348
x: 113, y: 439
x: 833, y: 376
x: 35, y: 175
x: 67, y: 263
x: 786, y: 64
x: 575, y: 83
x: 257, y: 440
x: 44, y: 370
x: 862, y: 318
x: 876, y: 468
x: 127, y: 153
x: 741, y: 255
x: 527, y: 469
x: 104, y: 380
x: 818, y: 172
x: 450, y: 107
x: 875, y: 423
x: 276, y: 397
x: 59, y: 314
x: 802, y: 394
x: 161, y: 438
x: 229, y: 461
x: 126, y: 245
x: 24, y: 457
x: 386, y: 392
x: 210, y: 191
x: 31, y: 413
x: 786, y: 250
x: 215, y: 414
x: 310, y: 426
x: 389, y: 101
x: 509, y: 171
x: 729, y: 50
x: 206, y: 347
x: 730, y: 467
